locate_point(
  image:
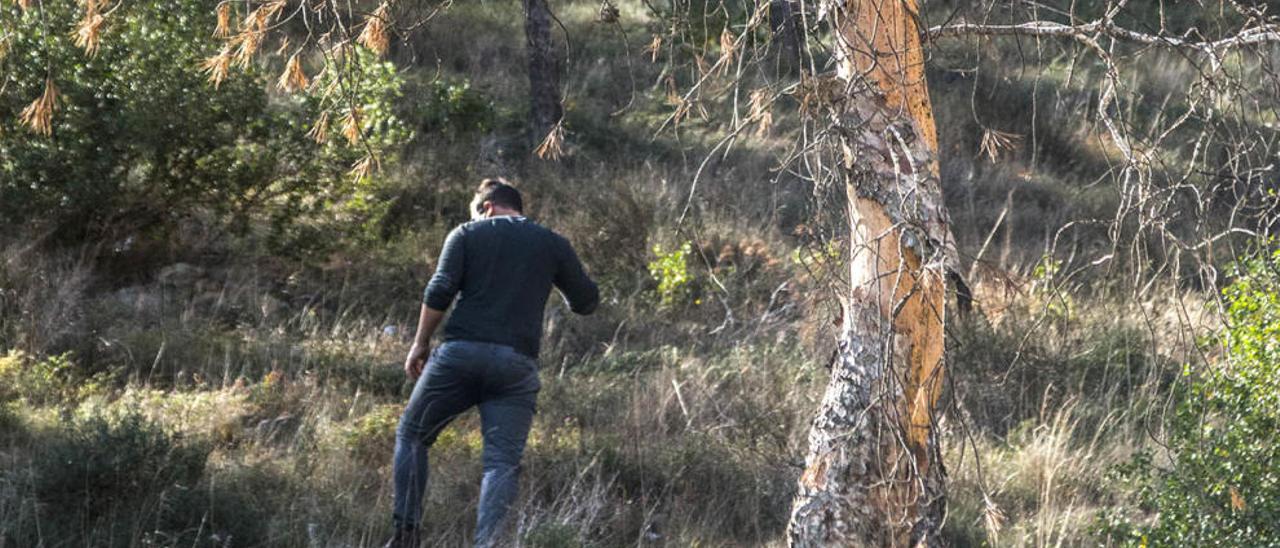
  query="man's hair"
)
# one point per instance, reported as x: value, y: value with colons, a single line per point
x: 499, y: 192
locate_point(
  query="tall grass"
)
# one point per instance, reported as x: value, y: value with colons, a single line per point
x: 291, y: 418
x: 291, y: 415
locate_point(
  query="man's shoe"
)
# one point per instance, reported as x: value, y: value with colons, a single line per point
x: 403, y: 538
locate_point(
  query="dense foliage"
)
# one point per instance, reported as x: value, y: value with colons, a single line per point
x: 139, y: 138
x: 1224, y: 486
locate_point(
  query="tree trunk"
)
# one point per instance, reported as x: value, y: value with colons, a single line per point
x: 544, y: 88
x: 787, y: 34
x: 873, y: 475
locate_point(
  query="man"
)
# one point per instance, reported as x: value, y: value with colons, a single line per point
x: 501, y: 267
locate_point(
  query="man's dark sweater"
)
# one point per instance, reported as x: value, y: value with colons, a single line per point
x: 501, y: 269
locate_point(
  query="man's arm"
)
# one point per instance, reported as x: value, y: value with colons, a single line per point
x: 447, y: 280
x: 439, y: 294
x: 581, y: 293
x: 428, y: 320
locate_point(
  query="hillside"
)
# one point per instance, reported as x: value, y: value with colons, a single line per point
x: 204, y: 308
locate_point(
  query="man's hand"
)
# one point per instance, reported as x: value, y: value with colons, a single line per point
x: 416, y: 361
x: 428, y: 319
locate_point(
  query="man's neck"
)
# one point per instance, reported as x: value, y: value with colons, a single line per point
x: 504, y: 212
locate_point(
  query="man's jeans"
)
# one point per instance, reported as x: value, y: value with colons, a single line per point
x: 460, y: 374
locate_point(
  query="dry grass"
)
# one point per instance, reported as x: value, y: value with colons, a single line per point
x: 1044, y: 486
x: 1047, y: 408
x: 298, y: 409
x: 635, y: 441
x: 43, y: 298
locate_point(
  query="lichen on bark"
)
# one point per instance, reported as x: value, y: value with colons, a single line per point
x: 873, y: 475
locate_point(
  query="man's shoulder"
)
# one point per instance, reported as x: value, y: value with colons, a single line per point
x: 505, y: 225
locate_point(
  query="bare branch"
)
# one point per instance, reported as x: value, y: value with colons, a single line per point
x: 1246, y: 37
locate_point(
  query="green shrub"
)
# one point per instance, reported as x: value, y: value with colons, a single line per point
x: 101, y: 482
x: 1045, y: 291
x: 452, y: 105
x: 552, y: 534
x: 372, y: 437
x: 140, y: 139
x: 671, y: 270
x: 237, y: 506
x: 96, y: 463
x: 1223, y: 488
x: 52, y: 380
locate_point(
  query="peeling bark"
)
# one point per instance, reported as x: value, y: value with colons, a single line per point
x: 873, y: 474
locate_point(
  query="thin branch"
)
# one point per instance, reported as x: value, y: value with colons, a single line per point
x: 1251, y: 36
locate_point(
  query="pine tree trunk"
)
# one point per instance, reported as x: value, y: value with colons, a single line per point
x: 873, y: 475
x: 787, y: 34
x: 544, y: 88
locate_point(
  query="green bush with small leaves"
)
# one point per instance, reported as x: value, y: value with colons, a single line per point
x: 53, y: 380
x: 671, y: 270
x: 1045, y: 290
x: 102, y: 481
x: 452, y: 105
x: 139, y: 139
x: 371, y: 437
x: 1223, y: 488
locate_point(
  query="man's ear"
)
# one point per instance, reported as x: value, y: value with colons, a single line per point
x: 487, y: 207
